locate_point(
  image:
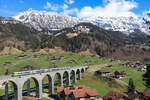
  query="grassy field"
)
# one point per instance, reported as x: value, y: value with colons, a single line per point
x: 131, y: 73
x: 17, y: 63
x: 102, y: 85
x: 43, y: 60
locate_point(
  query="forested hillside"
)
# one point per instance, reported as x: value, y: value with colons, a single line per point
x: 99, y: 41
x: 19, y: 36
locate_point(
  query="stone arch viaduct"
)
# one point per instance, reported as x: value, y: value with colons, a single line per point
x: 18, y: 82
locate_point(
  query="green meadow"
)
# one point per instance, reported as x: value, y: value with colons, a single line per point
x: 44, y: 61
x: 102, y: 85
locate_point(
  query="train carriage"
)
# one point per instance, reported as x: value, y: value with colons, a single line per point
x: 24, y: 73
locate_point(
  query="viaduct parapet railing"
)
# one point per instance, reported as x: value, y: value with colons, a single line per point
x: 71, y: 73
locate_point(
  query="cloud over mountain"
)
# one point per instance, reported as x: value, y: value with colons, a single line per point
x: 69, y: 1
x: 111, y: 8
x: 52, y: 7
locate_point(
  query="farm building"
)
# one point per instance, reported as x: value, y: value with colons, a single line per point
x: 110, y: 65
x: 29, y: 98
x: 114, y: 96
x: 76, y: 93
x: 102, y: 73
x: 120, y: 73
x: 147, y: 93
x: 142, y: 69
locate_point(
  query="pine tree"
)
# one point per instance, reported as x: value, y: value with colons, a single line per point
x: 131, y: 87
x: 6, y: 73
x: 146, y: 76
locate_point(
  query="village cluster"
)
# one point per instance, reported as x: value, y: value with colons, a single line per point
x: 138, y: 65
x: 121, y: 73
x: 82, y: 92
x: 105, y: 73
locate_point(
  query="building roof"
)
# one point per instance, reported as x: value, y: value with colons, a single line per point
x: 78, y: 91
x: 120, y: 72
x: 147, y: 92
x: 60, y: 88
x: 103, y: 71
x: 92, y: 92
x: 110, y: 65
x: 79, y: 94
x: 30, y: 98
x: 113, y: 96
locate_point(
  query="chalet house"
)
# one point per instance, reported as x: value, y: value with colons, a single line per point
x: 76, y: 93
x: 28, y: 67
x: 147, y: 94
x: 72, y: 61
x: 114, y: 96
x: 145, y: 66
x: 138, y: 63
x: 7, y: 63
x: 120, y: 73
x: 53, y: 58
x: 142, y: 69
x: 29, y: 98
x: 110, y: 65
x: 102, y: 73
x: 22, y: 56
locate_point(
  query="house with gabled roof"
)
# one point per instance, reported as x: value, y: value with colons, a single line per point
x: 102, y: 73
x: 76, y: 93
x: 120, y: 73
x: 114, y: 96
x: 147, y: 93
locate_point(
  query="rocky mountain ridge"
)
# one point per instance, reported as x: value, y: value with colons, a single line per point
x: 45, y: 21
x: 126, y: 25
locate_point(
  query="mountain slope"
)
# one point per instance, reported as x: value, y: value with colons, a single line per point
x: 112, y: 44
x: 18, y: 35
x: 46, y: 21
x: 42, y: 20
x: 126, y: 25
x: 81, y: 37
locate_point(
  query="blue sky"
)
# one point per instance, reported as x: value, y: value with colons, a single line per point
x: 77, y: 8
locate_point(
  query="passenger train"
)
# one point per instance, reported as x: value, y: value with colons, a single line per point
x: 24, y: 73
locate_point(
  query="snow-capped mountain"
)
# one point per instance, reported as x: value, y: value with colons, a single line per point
x: 147, y: 18
x: 42, y: 20
x: 124, y: 24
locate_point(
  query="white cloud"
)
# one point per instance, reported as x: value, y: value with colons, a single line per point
x: 55, y: 7
x: 69, y: 1
x: 65, y: 6
x: 52, y: 7
x: 111, y: 8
